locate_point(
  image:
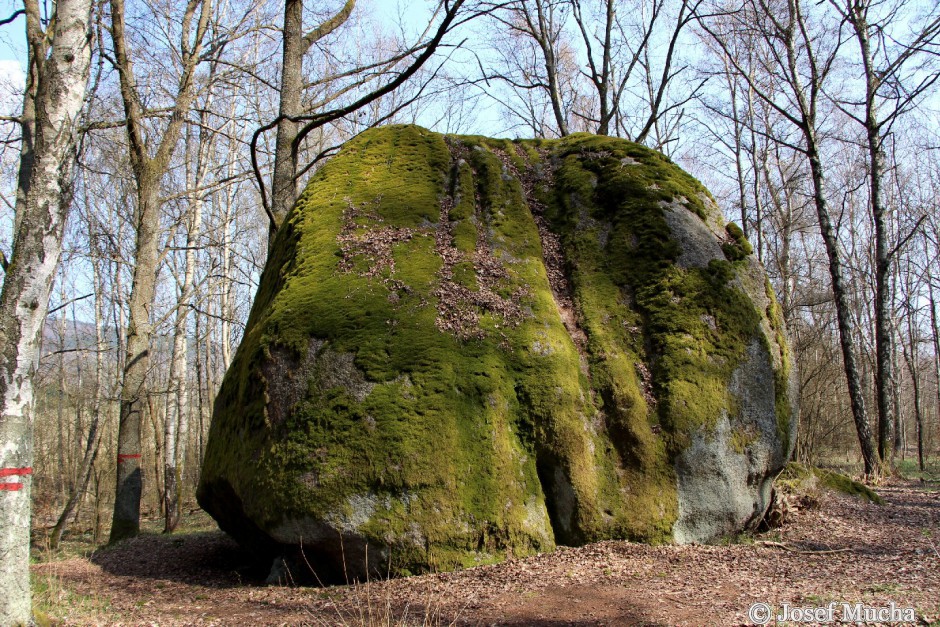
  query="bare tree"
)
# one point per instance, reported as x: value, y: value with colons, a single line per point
x: 177, y: 407
x: 619, y: 53
x: 797, y: 60
x: 59, y: 62
x: 94, y: 432
x: 912, y: 358
x: 149, y: 159
x: 536, y: 59
x: 301, y: 125
x: 295, y: 45
x: 895, y: 78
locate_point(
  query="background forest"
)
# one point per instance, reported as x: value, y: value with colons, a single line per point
x: 815, y: 124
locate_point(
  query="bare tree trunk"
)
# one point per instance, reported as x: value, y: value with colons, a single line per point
x: 910, y: 356
x: 283, y: 181
x: 295, y: 44
x: 803, y: 74
x: 148, y: 172
x: 883, y: 65
x: 935, y: 329
x: 60, y: 78
x: 154, y: 414
x: 75, y: 438
x: 94, y: 433
x: 177, y: 413
x: 126, y: 520
x: 738, y: 146
x: 200, y: 393
x: 898, y: 434
x: 63, y: 480
x: 843, y: 309
x: 843, y: 316
x: 884, y: 376
x: 225, y: 299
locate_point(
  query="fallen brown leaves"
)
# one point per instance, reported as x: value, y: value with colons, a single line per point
x: 458, y: 306
x: 843, y: 550
x: 368, y: 247
x: 553, y: 257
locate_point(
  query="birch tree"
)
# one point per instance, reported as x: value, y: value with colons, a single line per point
x: 59, y: 62
x: 177, y: 407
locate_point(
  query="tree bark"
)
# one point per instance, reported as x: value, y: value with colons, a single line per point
x: 843, y: 316
x: 60, y: 79
x: 807, y: 124
x: 125, y: 522
x: 884, y: 377
x: 148, y: 172
x: 283, y: 181
x: 910, y: 356
x: 177, y: 413
x: 546, y: 31
x: 934, y: 328
x: 295, y: 45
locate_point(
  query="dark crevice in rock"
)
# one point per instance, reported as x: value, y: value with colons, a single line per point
x: 560, y: 499
x: 554, y: 477
x: 224, y: 504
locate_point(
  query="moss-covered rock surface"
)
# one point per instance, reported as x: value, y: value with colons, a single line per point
x: 464, y: 349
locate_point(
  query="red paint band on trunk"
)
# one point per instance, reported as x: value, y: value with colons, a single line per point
x: 15, y: 472
x: 122, y: 458
x: 12, y: 487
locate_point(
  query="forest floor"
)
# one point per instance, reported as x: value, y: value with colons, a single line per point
x: 840, y: 549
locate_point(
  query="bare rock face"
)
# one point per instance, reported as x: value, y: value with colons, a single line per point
x: 464, y: 349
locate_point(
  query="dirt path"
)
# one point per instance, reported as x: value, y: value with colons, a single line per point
x: 845, y: 550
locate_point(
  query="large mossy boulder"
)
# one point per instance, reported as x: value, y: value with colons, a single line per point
x: 463, y: 349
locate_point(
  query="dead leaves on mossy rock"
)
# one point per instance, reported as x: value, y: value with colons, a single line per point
x: 465, y: 349
x: 804, y: 482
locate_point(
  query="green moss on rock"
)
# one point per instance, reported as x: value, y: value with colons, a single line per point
x: 799, y: 479
x: 464, y: 348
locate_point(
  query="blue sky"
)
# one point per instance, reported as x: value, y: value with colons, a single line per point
x: 13, y: 40
x: 12, y: 57
x: 12, y: 37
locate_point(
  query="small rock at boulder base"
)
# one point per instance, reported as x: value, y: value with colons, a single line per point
x: 464, y: 349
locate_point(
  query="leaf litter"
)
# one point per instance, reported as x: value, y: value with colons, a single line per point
x: 841, y: 550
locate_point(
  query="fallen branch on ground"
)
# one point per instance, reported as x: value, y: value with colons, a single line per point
x: 786, y: 547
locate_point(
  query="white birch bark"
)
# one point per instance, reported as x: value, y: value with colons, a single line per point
x: 40, y: 224
x: 177, y: 414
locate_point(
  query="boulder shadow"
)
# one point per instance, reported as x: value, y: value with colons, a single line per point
x: 208, y: 558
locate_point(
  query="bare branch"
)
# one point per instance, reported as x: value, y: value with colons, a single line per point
x: 12, y: 17
x: 329, y: 25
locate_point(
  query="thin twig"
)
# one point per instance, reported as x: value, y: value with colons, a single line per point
x: 786, y: 547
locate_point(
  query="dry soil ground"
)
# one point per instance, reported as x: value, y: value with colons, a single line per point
x: 842, y: 550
